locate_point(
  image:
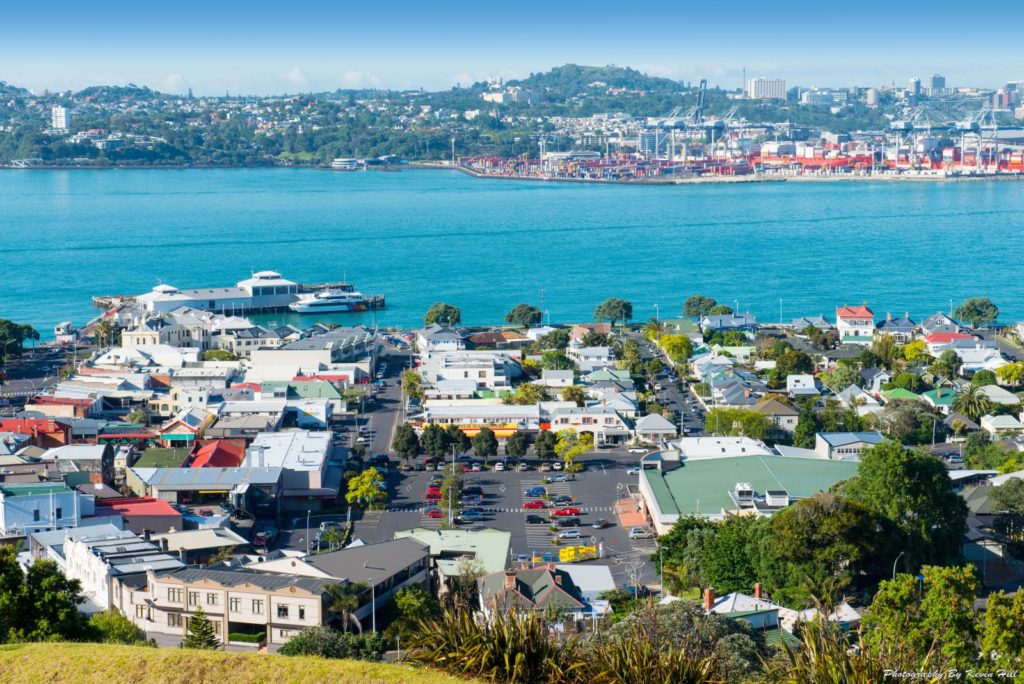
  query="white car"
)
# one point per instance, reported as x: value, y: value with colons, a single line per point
x: 640, y: 533
x: 570, y: 534
x: 633, y: 471
x: 556, y: 465
x: 637, y: 450
x: 498, y: 467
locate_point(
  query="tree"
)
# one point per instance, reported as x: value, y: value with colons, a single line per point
x: 916, y: 351
x: 444, y: 314
x: 576, y: 394
x: 698, y: 305
x: 654, y: 329
x: 911, y: 382
x: 806, y: 431
x: 137, y: 416
x: 412, y: 385
x: 365, y: 489
x: 200, y: 633
x: 416, y: 602
x: 613, y: 310
x: 631, y: 359
x: 343, y: 598
x: 839, y: 378
x: 737, y: 421
x: 972, y: 402
x: 107, y: 333
x: 835, y: 418
x: 570, y: 445
x: 49, y: 602
x: 726, y: 558
x: 524, y: 315
x: 654, y: 367
x: 516, y: 444
x: 12, y: 339
x: 947, y: 364
x: 679, y: 348
x: 910, y: 422
x: 457, y: 438
x: 721, y: 310
x: 527, y: 394
x: 1012, y: 373
x: 977, y: 311
x: 545, y: 445
x: 913, y: 490
x: 793, y: 362
x: 322, y: 642
x: 913, y: 619
x: 485, y: 444
x: 405, y: 443
x: 595, y: 339
x: 435, y: 441
x: 111, y: 627
x: 1008, y: 497
x: 983, y: 377
x: 885, y: 349
x: 556, y: 360
x: 556, y: 339
x: 1002, y: 639
x: 219, y: 355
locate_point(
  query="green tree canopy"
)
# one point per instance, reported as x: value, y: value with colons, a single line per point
x: 736, y: 421
x: 545, y: 445
x: 528, y: 393
x: 613, y: 310
x: 805, y: 433
x: 442, y: 313
x: 405, y: 443
x: 517, y: 444
x: 458, y: 438
x: 983, y: 377
x: 575, y: 394
x: 412, y: 384
x: 219, y: 355
x: 111, y: 627
x: 200, y: 634
x: 435, y: 441
x: 556, y: 360
x: 972, y: 402
x: 977, y: 311
x: 485, y: 443
x: 524, y: 315
x: 698, y: 305
x: 365, y: 490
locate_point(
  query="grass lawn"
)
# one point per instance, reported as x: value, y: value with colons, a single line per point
x: 110, y: 664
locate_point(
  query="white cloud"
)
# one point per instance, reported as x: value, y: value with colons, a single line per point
x: 174, y: 84
x: 360, y: 79
x: 296, y: 77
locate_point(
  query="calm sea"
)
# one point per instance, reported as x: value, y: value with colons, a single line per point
x: 485, y: 245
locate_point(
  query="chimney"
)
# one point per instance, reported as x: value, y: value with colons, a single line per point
x: 551, y: 566
x: 757, y: 590
x: 709, y: 599
x: 888, y: 315
x: 510, y: 579
x: 145, y: 535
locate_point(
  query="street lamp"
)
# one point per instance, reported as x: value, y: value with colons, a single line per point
x: 895, y: 562
x: 657, y: 314
x: 307, y: 532
x: 373, y: 605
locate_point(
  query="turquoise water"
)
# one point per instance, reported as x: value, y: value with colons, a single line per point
x: 485, y: 245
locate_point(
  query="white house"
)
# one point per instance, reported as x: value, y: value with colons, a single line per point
x: 27, y: 508
x: 803, y: 385
x: 590, y: 358
x: 653, y: 428
x: 845, y: 446
x: 855, y: 324
x: 604, y: 423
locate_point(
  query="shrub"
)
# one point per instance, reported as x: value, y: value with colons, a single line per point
x: 330, y: 643
x: 246, y: 638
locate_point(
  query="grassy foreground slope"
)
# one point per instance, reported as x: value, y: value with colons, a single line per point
x: 109, y: 664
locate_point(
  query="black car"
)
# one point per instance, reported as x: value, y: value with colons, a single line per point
x: 568, y: 522
x: 562, y: 500
x: 536, y: 520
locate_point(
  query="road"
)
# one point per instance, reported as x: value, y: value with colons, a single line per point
x: 675, y: 396
x: 32, y: 373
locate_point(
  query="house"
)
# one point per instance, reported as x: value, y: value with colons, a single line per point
x: 853, y: 397
x: 624, y: 403
x: 588, y: 359
x: 939, y: 323
x: 42, y: 432
x: 454, y: 552
x: 438, y: 338
x: 938, y: 342
x: 219, y: 453
x: 684, y: 327
x: 497, y: 339
x: 745, y: 322
x: 802, y: 386
x: 978, y: 356
x: 581, y: 330
x: 959, y: 424
x: 185, y: 428
x: 246, y: 419
x: 845, y: 446
x: 451, y: 389
x: 783, y: 417
x: 32, y: 507
x: 490, y: 369
x: 388, y: 566
x: 558, y: 379
x: 141, y: 515
x: 604, y: 424
x: 802, y: 323
x: 1001, y: 425
x: 855, y: 324
x: 255, y: 490
x: 654, y: 428
x: 899, y: 394
x: 274, y: 607
x: 63, y: 407
x: 900, y: 329
x: 198, y: 546
x: 940, y: 398
x: 764, y: 616
x: 89, y: 462
x: 1000, y: 396
x: 541, y: 588
x: 310, y: 480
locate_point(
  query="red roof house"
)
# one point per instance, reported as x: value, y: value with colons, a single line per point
x: 220, y: 453
x: 44, y: 432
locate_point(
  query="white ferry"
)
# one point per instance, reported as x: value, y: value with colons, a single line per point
x: 330, y: 301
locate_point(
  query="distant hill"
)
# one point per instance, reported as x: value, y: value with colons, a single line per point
x: 107, y: 93
x: 109, y: 664
x: 572, y: 79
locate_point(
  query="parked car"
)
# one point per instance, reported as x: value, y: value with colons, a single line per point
x: 434, y: 512
x: 536, y: 520
x: 567, y: 511
x: 569, y: 534
x: 600, y: 524
x: 470, y: 516
x: 562, y: 500
x: 473, y: 489
x: 499, y: 466
x: 557, y: 465
x: 521, y: 558
x: 545, y: 467
x: 476, y: 467
x: 523, y: 467
x: 535, y: 504
x: 640, y: 533
x: 571, y: 521
x: 633, y: 471
x: 535, y: 491
x: 432, y: 498
x: 558, y: 478
x: 474, y: 500
x: 637, y: 450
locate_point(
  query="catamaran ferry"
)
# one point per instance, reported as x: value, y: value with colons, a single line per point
x: 330, y: 301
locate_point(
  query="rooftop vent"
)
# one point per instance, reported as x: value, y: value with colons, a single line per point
x: 743, y: 491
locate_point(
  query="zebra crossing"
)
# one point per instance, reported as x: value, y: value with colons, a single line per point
x: 420, y: 508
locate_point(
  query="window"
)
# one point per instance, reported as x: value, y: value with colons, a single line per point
x: 302, y: 613
x: 482, y: 374
x: 140, y: 611
x: 257, y: 606
x: 282, y: 610
x: 235, y: 604
x: 60, y: 512
x: 175, y: 620
x: 174, y: 595
x: 193, y: 598
x: 35, y: 515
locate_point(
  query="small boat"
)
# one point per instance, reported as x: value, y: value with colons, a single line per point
x: 330, y: 301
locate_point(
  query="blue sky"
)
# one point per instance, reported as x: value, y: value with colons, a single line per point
x: 296, y: 45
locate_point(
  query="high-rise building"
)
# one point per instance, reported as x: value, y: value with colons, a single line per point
x: 59, y: 119
x: 914, y: 89
x: 767, y: 89
x: 871, y: 97
x: 937, y: 85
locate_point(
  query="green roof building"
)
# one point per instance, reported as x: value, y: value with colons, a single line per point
x: 741, y: 484
x: 161, y: 458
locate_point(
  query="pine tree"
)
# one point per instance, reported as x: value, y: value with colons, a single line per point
x: 200, y: 632
x: 806, y: 427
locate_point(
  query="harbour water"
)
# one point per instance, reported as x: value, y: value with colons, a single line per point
x: 422, y: 236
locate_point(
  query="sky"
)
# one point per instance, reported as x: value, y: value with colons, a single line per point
x: 287, y: 46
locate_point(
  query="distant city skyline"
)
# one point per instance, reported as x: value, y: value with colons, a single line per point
x: 261, y: 47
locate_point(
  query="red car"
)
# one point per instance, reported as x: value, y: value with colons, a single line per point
x: 565, y: 512
x: 433, y: 490
x: 434, y: 513
x: 534, y: 504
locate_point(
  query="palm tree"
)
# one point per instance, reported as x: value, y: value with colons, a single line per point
x: 972, y: 402
x: 654, y: 329
x: 342, y: 599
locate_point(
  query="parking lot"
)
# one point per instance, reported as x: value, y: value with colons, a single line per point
x: 594, y: 492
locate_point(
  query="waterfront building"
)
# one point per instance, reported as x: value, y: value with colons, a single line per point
x: 767, y: 89
x: 855, y: 324
x: 60, y: 119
